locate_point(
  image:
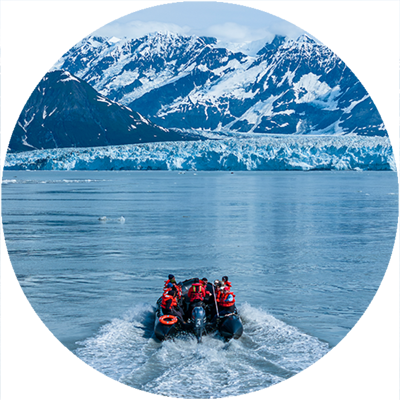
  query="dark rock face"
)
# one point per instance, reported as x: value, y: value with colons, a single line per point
x: 288, y: 87
x: 64, y: 111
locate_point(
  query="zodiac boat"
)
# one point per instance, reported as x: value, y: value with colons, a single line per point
x: 201, y: 321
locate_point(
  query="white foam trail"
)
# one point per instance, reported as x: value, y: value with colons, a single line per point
x: 269, y: 352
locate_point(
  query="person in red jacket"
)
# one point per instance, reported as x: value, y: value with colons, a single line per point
x: 204, y: 282
x: 225, y: 282
x: 225, y: 301
x: 170, y: 306
x: 171, y: 283
x: 196, y: 292
x: 207, y: 298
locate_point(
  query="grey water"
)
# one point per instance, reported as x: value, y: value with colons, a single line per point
x: 305, y: 252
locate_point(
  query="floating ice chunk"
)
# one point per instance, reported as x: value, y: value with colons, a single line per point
x: 103, y: 219
x: 121, y: 220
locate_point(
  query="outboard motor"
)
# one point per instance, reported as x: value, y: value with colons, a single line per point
x: 198, y: 316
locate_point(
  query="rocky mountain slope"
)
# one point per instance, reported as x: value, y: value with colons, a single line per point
x: 289, y: 87
x: 65, y: 111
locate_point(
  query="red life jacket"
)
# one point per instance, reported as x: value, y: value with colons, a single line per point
x: 167, y: 297
x: 227, y: 283
x: 177, y: 287
x: 222, y: 296
x: 196, y: 292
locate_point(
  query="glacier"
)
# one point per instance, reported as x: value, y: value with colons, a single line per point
x: 304, y: 153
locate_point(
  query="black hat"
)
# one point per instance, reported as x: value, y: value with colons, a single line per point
x: 204, y: 279
x: 196, y: 280
x: 170, y: 276
x: 224, y: 278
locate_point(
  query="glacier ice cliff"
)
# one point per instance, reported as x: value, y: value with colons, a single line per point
x: 264, y: 153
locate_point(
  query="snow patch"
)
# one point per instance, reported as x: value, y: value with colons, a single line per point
x: 309, y: 88
x: 69, y: 77
x: 104, y: 100
x: 348, y: 109
x: 114, y: 39
x: 261, y: 109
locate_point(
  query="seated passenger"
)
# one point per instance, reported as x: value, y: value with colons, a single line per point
x: 225, y: 301
x: 168, y: 287
x: 171, y: 281
x: 196, y: 292
x: 207, y: 297
x: 225, y: 282
x: 196, y: 296
x: 204, y: 282
x: 217, y: 287
x: 169, y: 305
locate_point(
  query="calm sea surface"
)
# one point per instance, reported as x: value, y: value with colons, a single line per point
x: 305, y: 252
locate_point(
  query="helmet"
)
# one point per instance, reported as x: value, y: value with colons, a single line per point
x: 170, y: 276
x: 216, y: 282
x: 224, y: 279
x: 170, y: 285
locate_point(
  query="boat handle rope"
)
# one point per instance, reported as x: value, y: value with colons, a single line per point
x: 215, y: 300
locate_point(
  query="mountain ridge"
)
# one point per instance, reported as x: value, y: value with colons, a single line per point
x: 64, y: 111
x: 188, y: 82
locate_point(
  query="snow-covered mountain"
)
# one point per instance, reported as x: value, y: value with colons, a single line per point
x: 65, y: 111
x: 288, y: 87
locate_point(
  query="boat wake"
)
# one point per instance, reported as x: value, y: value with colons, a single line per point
x: 269, y: 352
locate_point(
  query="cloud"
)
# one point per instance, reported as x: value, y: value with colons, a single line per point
x: 134, y: 29
x: 233, y: 32
x: 284, y: 28
x: 226, y: 33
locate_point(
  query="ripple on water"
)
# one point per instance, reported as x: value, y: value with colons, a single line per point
x: 269, y: 352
